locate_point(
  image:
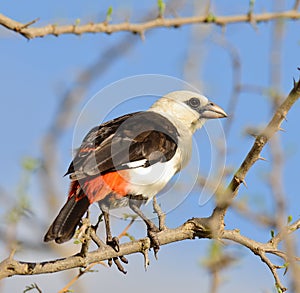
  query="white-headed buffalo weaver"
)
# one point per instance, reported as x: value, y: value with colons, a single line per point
x: 128, y: 160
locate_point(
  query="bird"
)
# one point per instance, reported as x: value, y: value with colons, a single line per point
x: 128, y: 160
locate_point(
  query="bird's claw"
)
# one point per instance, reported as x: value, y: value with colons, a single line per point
x: 114, y: 243
x: 152, y: 234
x: 118, y: 263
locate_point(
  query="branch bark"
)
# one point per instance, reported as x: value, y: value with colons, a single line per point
x: 139, y: 28
x: 189, y: 230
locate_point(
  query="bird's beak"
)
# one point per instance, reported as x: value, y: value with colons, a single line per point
x: 212, y: 111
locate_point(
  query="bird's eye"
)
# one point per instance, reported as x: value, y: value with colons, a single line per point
x: 194, y: 102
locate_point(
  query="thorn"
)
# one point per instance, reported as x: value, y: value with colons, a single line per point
x: 240, y: 180
x: 253, y: 23
x: 145, y: 252
x: 263, y: 159
x: 26, y: 25
x: 155, y: 250
x: 281, y: 129
x: 12, y: 254
x: 146, y: 258
x: 244, y: 183
x: 142, y: 35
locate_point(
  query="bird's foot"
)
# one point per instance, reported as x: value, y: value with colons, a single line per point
x: 114, y: 243
x: 117, y: 262
x: 154, y: 242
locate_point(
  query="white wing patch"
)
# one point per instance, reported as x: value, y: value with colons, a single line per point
x: 136, y: 164
x: 148, y: 181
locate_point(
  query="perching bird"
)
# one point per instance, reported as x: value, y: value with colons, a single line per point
x: 128, y: 160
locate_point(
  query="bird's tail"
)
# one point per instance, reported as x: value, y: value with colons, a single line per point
x: 64, y: 225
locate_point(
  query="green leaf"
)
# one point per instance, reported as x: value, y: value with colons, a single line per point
x: 161, y: 7
x: 30, y: 164
x: 130, y: 237
x: 109, y: 13
x: 215, y: 250
x: 272, y: 233
x: 129, y: 216
x: 286, y: 266
x: 289, y: 219
x: 210, y: 17
x: 251, y: 5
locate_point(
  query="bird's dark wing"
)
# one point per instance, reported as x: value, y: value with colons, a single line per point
x: 134, y: 140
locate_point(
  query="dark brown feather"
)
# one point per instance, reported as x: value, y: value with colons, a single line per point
x: 64, y: 225
x: 129, y: 138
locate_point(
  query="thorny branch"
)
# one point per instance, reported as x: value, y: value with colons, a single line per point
x: 239, y: 177
x: 254, y: 154
x: 189, y: 230
x: 99, y: 243
x: 196, y: 227
x: 139, y: 28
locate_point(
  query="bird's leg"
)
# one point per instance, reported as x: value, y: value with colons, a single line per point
x: 152, y: 230
x: 94, y: 236
x: 111, y: 241
x: 160, y: 214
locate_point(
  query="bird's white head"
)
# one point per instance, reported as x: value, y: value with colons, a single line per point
x: 187, y: 109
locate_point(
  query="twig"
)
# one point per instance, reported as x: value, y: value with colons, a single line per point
x: 215, y: 281
x: 140, y: 28
x: 276, y: 151
x: 124, y: 232
x: 258, y: 248
x: 286, y: 231
x: 273, y: 270
x: 81, y: 272
x: 254, y: 155
x: 31, y: 287
x: 296, y: 5
x: 260, y: 218
x: 236, y: 79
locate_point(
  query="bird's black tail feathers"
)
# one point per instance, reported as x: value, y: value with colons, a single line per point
x: 64, y: 225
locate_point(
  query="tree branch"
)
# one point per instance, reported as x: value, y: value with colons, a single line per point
x: 138, y: 28
x: 262, y: 249
x: 189, y: 230
x: 230, y: 193
x: 195, y: 227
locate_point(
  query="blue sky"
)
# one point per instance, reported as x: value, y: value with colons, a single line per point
x: 35, y: 73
